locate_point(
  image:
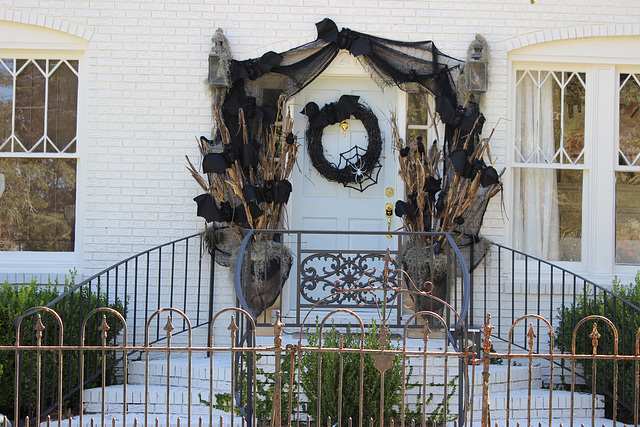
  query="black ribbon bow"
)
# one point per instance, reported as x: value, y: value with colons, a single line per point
x: 356, y: 43
x: 254, y: 68
x: 333, y: 112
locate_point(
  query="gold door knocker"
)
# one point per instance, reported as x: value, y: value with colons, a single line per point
x: 344, y: 127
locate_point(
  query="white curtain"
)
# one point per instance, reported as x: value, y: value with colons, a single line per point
x: 536, y: 204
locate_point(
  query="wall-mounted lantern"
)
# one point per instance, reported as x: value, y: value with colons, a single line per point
x: 219, y: 66
x: 219, y: 61
x: 478, y: 70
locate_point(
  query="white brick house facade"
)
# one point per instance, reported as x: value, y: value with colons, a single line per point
x: 144, y: 96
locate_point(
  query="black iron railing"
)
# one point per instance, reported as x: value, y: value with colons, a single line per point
x: 517, y: 284
x: 319, y: 269
x: 329, y: 270
x: 178, y: 274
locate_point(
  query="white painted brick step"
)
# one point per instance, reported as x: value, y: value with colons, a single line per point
x: 156, y: 398
x: 200, y: 368
x: 220, y: 419
x: 539, y: 405
x: 179, y: 375
x: 544, y: 422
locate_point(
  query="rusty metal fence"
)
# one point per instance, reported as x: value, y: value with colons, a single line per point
x: 319, y: 374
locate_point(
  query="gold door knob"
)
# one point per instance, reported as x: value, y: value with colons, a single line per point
x: 388, y: 212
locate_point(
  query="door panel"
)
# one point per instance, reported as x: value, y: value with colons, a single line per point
x: 349, y: 209
x: 329, y: 206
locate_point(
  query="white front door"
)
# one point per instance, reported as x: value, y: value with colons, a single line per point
x: 320, y: 204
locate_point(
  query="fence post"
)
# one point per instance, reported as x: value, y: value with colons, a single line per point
x: 212, y: 271
x: 276, y: 418
x: 486, y: 412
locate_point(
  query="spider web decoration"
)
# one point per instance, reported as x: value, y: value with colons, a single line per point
x: 362, y: 178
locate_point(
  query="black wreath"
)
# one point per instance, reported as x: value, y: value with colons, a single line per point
x: 333, y: 113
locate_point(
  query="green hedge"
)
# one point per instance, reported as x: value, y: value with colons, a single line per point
x: 350, y: 384
x: 627, y: 322
x: 351, y: 378
x: 16, y: 300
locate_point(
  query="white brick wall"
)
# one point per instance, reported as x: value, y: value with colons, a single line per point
x: 147, y: 95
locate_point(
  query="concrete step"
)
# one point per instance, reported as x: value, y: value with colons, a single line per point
x: 220, y: 419
x: 158, y: 399
x: 539, y: 422
x: 520, y: 377
x: 519, y: 400
x: 178, y: 372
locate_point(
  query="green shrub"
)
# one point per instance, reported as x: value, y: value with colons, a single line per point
x: 627, y: 322
x: 17, y: 299
x: 308, y: 380
x: 351, y: 378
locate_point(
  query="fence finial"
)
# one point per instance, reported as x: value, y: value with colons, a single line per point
x: 277, y: 330
x: 595, y: 337
x: 233, y: 328
x: 532, y: 336
x: 168, y: 326
x: 104, y: 329
x: 487, y: 328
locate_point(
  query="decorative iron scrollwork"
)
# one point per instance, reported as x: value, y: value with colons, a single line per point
x: 335, y: 274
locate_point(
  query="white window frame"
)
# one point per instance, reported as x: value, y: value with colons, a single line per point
x: 27, y: 42
x: 615, y: 55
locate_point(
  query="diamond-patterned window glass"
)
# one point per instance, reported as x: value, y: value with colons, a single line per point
x: 6, y: 102
x: 62, y: 107
x: 29, y: 112
x: 550, y: 119
x: 629, y: 127
x: 39, y: 105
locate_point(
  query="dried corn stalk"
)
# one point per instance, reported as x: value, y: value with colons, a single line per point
x: 440, y: 200
x: 238, y: 185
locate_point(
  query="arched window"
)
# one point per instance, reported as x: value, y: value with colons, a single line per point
x: 41, y: 140
x: 575, y: 152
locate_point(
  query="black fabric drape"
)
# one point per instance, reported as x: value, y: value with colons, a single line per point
x: 411, y: 66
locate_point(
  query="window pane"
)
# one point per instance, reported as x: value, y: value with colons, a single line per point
x: 573, y: 124
x: 37, y: 209
x: 570, y: 214
x: 548, y: 216
x: 550, y: 119
x: 417, y: 109
x: 29, y: 121
x: 629, y: 120
x: 414, y: 133
x: 628, y: 217
x: 6, y: 103
x: 535, y: 141
x: 62, y: 107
